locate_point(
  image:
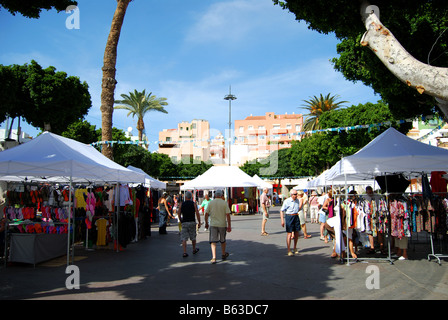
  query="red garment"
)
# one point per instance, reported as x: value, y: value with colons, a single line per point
x: 438, y: 183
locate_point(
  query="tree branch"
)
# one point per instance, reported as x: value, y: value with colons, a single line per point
x: 423, y: 77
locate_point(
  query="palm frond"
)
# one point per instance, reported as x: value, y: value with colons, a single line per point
x: 316, y: 106
x: 139, y: 103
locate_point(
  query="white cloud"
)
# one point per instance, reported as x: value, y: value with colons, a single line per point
x: 231, y: 23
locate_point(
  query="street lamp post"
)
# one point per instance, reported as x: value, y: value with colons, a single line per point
x: 230, y: 97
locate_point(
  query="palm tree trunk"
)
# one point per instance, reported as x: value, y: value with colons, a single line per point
x: 109, y: 82
x: 140, y: 128
x: 47, y: 126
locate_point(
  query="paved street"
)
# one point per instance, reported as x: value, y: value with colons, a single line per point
x: 257, y: 269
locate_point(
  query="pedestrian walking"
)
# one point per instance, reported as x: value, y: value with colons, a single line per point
x: 314, y: 207
x: 306, y: 204
x: 170, y: 204
x: 175, y: 211
x: 164, y: 213
x: 265, y: 203
x: 303, y: 198
x: 219, y: 213
x: 289, y: 215
x: 324, y: 214
x: 204, y: 205
x: 188, y: 213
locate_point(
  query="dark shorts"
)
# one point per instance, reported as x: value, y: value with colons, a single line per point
x: 217, y: 234
x: 292, y: 223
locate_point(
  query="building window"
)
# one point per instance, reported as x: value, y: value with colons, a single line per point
x: 241, y: 129
x: 298, y: 127
x: 168, y: 139
x: 250, y: 127
x: 275, y: 126
x: 288, y: 126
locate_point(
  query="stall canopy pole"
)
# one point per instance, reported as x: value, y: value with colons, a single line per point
x: 389, y: 222
x: 117, y: 215
x: 69, y: 222
x: 347, y: 249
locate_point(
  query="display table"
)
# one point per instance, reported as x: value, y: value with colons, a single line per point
x: 35, y: 248
x: 240, y: 208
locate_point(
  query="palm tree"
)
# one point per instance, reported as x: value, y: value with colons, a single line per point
x: 109, y: 82
x: 139, y: 103
x: 316, y: 107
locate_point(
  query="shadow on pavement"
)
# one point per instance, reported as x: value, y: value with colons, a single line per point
x: 257, y: 269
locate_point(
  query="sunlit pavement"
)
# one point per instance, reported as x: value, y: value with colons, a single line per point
x: 258, y: 268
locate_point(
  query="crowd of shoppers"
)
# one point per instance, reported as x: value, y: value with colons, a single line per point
x: 294, y: 212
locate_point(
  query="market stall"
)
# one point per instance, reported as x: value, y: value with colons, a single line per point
x: 55, y: 159
x: 263, y: 184
x: 150, y: 182
x: 153, y: 186
x: 390, y: 152
x: 232, y: 179
x: 393, y: 153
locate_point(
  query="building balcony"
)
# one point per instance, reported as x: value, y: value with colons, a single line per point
x: 279, y: 131
x: 255, y: 132
x: 168, y: 144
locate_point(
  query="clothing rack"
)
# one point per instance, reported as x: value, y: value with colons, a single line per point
x: 387, y: 235
x: 437, y: 256
x: 431, y: 232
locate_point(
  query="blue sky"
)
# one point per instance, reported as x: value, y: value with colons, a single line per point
x: 189, y: 52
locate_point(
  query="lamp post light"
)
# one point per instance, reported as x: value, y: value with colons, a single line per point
x: 230, y: 97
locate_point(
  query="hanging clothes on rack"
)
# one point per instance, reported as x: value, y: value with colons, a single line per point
x: 122, y: 196
x: 90, y: 207
x: 400, y: 219
x: 337, y: 224
x: 438, y: 183
x: 101, y: 227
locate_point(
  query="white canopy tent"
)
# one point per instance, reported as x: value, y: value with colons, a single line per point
x: 262, y: 184
x: 189, y: 185
x: 221, y: 177
x: 390, y: 152
x: 319, y: 181
x: 50, y: 157
x: 303, y: 184
x: 150, y: 182
x: 323, y: 181
x: 53, y: 156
